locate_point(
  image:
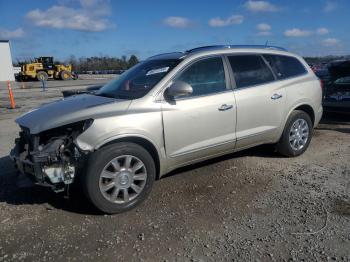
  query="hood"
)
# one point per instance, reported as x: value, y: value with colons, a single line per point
x: 71, y: 110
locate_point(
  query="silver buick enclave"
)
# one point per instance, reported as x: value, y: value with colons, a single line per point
x: 169, y: 111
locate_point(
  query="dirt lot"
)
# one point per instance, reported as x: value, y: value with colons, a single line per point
x: 249, y: 206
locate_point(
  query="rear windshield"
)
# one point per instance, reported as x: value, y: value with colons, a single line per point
x: 285, y: 66
x: 138, y: 80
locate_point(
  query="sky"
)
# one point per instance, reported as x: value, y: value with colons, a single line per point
x: 84, y: 28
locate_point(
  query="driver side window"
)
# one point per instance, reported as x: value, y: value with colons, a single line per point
x: 206, y: 76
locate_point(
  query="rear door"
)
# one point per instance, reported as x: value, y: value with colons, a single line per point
x: 260, y: 100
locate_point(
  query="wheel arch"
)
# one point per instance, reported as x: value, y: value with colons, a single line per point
x: 141, y: 141
x: 308, y: 110
x: 305, y: 107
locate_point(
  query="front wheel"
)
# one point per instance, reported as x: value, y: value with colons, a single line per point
x: 297, y: 134
x: 66, y: 75
x: 119, y: 177
x: 42, y: 76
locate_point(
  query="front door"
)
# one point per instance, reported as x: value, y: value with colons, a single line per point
x: 202, y: 124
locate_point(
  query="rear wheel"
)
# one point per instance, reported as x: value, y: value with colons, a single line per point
x: 297, y: 134
x: 65, y: 75
x: 119, y: 177
x: 42, y: 76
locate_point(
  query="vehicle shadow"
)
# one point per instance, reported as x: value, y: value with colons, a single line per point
x: 341, y: 130
x: 264, y: 151
x: 333, y: 118
x: 332, y: 121
x: 16, y: 189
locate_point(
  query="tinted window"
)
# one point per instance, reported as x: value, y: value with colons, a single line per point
x: 285, y: 66
x: 250, y: 70
x: 206, y: 76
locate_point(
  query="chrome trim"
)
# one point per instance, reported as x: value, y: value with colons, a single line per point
x: 276, y: 96
x: 225, y: 107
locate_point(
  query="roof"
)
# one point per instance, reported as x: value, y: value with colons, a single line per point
x: 202, y: 49
x: 4, y: 41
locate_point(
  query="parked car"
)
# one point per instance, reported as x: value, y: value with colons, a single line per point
x: 337, y: 88
x: 323, y: 74
x: 169, y: 111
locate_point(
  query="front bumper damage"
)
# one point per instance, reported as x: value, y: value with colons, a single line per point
x: 50, y: 158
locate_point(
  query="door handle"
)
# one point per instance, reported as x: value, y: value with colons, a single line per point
x: 225, y: 107
x: 276, y: 96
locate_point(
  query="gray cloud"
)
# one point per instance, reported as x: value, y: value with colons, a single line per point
x: 232, y: 20
x: 14, y: 34
x: 260, y: 6
x: 177, y: 22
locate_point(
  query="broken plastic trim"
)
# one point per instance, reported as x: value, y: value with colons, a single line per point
x: 53, y: 156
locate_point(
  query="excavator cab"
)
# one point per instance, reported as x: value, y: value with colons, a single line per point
x: 46, y: 61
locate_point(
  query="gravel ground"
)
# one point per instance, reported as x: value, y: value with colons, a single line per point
x: 249, y: 206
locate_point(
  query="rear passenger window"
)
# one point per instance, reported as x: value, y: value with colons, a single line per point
x: 285, y: 66
x: 250, y: 70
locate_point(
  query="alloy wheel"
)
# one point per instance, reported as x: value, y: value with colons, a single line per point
x: 298, y: 134
x: 123, y: 179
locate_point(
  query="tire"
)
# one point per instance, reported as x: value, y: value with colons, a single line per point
x: 42, y: 76
x: 101, y: 173
x: 292, y: 142
x: 65, y: 75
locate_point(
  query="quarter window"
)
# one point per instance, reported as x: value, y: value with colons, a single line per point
x: 285, y: 66
x: 250, y: 70
x: 205, y: 76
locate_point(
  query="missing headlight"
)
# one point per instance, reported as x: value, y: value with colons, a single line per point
x: 53, y: 154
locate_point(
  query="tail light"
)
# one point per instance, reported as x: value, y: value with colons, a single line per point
x: 321, y: 84
x: 322, y: 87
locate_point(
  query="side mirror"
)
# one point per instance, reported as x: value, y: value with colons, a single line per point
x: 178, y: 89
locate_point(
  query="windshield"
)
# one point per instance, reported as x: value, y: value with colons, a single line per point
x: 138, y: 80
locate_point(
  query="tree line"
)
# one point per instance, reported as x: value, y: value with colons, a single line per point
x: 325, y: 59
x: 102, y: 63
x: 94, y: 63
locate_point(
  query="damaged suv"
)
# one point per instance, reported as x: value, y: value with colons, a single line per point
x: 169, y: 111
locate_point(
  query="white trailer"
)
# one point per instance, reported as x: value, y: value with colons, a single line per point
x: 6, y: 67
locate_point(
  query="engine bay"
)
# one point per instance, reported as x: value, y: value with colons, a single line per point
x: 50, y: 157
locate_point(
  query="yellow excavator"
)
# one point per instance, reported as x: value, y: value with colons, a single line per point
x: 44, y: 68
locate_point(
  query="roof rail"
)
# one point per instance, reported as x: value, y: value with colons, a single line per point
x: 163, y: 54
x: 215, y: 47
